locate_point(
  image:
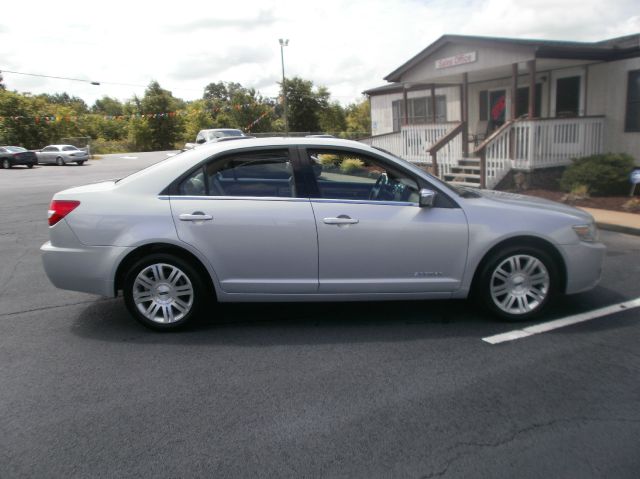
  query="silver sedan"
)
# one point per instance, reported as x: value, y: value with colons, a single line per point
x: 62, y: 154
x: 311, y: 219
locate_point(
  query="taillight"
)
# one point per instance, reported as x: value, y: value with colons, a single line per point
x: 61, y: 208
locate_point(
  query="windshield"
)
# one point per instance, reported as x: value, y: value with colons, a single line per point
x: 69, y: 148
x: 15, y: 149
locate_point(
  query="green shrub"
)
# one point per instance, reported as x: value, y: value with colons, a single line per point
x: 102, y: 146
x: 328, y: 160
x: 351, y: 165
x: 606, y: 174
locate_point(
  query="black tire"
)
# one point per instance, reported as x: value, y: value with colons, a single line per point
x: 30, y: 165
x: 6, y: 164
x: 60, y: 161
x: 170, y: 297
x: 526, y: 294
x: 80, y: 163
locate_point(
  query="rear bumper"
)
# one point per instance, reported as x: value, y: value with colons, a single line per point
x: 89, y: 269
x: 584, y: 265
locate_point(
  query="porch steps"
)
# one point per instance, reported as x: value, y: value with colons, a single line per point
x: 467, y: 173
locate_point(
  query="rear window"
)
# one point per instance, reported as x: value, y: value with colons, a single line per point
x: 69, y: 148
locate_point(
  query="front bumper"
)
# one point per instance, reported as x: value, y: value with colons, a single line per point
x: 584, y: 265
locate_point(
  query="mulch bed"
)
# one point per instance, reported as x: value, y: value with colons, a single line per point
x: 601, y: 202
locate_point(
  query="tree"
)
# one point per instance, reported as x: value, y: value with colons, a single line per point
x: 303, y: 105
x: 78, y: 104
x: 359, y: 118
x: 332, y: 119
x: 108, y: 106
x: 234, y: 106
x: 165, y: 128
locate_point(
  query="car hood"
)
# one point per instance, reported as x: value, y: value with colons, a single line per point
x: 513, y: 199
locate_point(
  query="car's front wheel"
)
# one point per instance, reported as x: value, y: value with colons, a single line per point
x: 163, y: 291
x: 60, y: 161
x: 518, y: 283
x: 79, y: 163
x: 6, y: 164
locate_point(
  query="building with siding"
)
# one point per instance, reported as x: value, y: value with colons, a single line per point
x: 470, y: 98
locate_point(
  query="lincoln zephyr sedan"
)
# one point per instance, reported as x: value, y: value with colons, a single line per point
x: 311, y: 219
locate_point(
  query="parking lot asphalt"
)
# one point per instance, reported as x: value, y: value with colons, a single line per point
x: 392, y: 389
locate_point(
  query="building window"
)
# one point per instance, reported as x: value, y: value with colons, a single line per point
x: 420, y: 111
x: 632, y: 118
x: 397, y: 109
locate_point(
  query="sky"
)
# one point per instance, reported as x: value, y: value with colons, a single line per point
x: 347, y: 46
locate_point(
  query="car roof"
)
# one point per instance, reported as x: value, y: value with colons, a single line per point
x: 280, y: 141
x: 60, y: 146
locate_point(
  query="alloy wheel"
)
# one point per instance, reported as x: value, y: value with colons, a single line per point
x: 163, y: 293
x: 519, y: 284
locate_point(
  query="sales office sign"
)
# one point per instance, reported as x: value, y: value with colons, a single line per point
x: 454, y: 61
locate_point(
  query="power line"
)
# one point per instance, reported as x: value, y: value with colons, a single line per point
x: 92, y: 82
x: 51, y: 76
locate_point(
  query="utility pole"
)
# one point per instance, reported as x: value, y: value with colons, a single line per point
x: 284, y: 43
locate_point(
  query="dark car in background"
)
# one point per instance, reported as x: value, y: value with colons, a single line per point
x: 16, y: 155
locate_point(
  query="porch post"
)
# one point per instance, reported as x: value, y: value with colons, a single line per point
x: 406, y: 105
x: 514, y: 91
x: 531, y: 65
x: 513, y: 110
x: 433, y: 103
x: 464, y: 101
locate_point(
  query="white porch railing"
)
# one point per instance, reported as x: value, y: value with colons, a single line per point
x: 412, y: 141
x: 498, y: 157
x: 554, y: 142
x: 541, y: 143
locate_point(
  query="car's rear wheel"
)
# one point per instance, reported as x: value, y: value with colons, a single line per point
x: 163, y: 291
x: 6, y: 164
x: 60, y: 161
x: 30, y: 165
x: 518, y: 283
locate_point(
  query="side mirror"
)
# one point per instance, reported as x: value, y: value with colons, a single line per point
x: 427, y: 198
x: 200, y: 141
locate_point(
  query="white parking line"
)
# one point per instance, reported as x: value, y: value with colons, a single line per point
x: 561, y: 323
x: 128, y: 157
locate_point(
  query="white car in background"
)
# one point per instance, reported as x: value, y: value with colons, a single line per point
x: 214, y: 134
x: 61, y: 155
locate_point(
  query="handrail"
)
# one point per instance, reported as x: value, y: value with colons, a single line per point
x: 438, y: 145
x: 482, y: 146
x: 378, y: 136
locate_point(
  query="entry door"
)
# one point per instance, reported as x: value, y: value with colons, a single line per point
x: 372, y: 235
x: 243, y: 214
x: 497, y: 108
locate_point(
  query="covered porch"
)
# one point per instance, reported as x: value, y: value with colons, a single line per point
x: 497, y: 120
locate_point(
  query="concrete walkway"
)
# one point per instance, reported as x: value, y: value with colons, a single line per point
x: 616, y: 221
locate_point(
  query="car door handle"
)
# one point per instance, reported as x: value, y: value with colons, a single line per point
x: 341, y: 220
x: 197, y: 216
